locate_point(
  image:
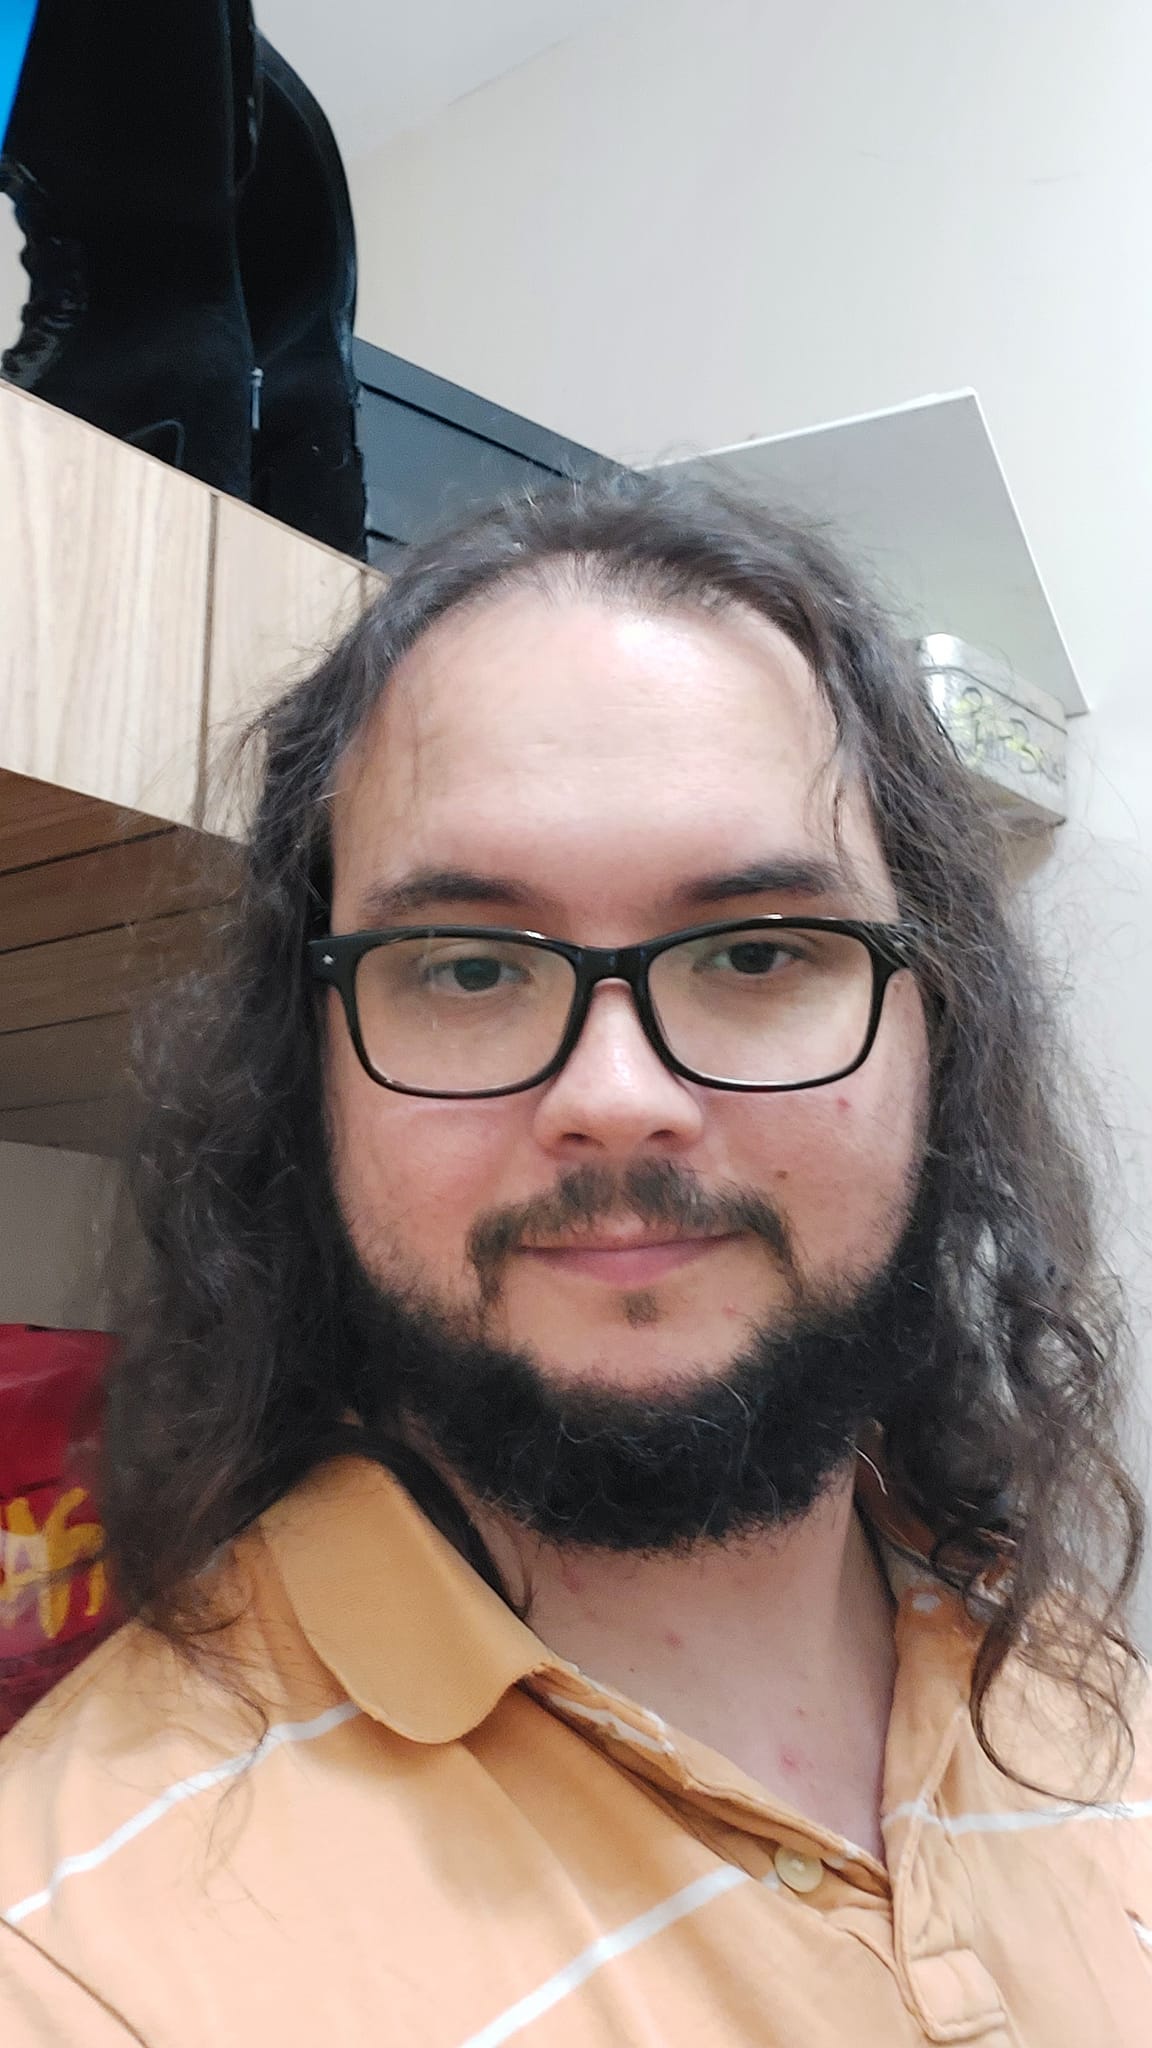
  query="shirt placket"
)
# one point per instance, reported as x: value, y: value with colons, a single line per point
x: 725, y: 1810
x: 923, y: 1898
x: 942, y: 1978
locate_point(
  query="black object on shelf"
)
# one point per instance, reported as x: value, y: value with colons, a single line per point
x: 190, y: 251
x: 433, y: 451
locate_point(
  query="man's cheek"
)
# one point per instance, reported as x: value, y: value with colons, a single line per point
x: 425, y: 1197
x: 843, y: 1183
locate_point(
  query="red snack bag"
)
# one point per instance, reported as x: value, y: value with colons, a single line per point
x: 54, y: 1600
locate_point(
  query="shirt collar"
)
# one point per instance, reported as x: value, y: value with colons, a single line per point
x: 411, y: 1631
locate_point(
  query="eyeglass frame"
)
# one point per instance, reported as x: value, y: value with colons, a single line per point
x: 333, y: 961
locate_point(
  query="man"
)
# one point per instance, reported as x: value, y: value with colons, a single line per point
x: 615, y: 1473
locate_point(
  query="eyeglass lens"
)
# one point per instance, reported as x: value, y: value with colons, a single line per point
x: 468, y: 1014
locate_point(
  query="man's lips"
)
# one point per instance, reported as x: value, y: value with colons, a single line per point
x: 623, y: 1261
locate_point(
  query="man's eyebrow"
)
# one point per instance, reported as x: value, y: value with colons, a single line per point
x: 427, y: 888
x: 805, y: 875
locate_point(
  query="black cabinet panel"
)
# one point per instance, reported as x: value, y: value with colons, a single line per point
x: 434, y: 452
x: 421, y: 471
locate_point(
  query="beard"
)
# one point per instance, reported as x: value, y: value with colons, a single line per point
x: 723, y: 1453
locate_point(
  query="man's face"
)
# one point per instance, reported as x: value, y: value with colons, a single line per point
x: 604, y: 775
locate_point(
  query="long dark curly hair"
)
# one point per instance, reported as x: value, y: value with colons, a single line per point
x: 241, y: 1359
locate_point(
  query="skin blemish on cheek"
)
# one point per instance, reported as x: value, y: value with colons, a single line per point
x: 672, y: 1641
x: 842, y: 1102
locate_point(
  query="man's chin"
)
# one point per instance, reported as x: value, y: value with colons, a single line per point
x: 621, y: 1421
x: 643, y: 1339
x: 637, y: 1361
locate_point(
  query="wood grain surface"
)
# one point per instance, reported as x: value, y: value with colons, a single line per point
x: 172, y: 869
x: 102, y: 630
x: 99, y: 972
x: 144, y: 620
x: 102, y: 1127
x: 59, y: 1063
x: 280, y: 602
x: 40, y: 821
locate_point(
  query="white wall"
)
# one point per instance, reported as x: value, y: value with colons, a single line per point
x: 13, y: 282
x: 706, y: 222
x: 55, y: 1209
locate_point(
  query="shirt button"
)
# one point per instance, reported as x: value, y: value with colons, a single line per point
x: 800, y: 1873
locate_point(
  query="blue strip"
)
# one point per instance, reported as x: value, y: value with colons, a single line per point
x: 16, y: 18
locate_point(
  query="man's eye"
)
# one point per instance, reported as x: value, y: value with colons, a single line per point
x: 750, y: 957
x: 471, y: 974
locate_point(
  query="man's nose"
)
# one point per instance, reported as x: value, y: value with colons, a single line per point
x: 615, y: 1096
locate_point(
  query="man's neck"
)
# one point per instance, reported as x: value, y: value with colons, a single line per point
x: 777, y: 1652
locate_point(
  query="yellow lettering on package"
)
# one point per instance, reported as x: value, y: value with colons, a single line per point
x: 37, y: 1555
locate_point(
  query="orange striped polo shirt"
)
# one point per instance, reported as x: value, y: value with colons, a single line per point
x: 435, y: 1833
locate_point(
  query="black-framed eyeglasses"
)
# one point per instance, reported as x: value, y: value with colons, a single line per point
x: 763, y: 1005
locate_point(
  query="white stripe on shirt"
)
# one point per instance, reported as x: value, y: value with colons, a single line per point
x: 605, y: 1950
x: 1015, y: 1823
x: 274, y: 1738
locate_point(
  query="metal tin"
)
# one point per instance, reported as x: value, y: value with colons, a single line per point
x: 1010, y: 734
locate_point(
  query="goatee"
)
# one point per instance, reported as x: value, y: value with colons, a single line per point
x: 722, y: 1454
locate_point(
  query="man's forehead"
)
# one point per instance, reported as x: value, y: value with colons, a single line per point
x: 526, y: 678
x: 534, y: 734
x: 525, y: 649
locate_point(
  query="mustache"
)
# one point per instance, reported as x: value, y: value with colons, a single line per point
x: 656, y: 1192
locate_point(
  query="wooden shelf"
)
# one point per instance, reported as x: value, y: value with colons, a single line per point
x: 86, y: 930
x: 145, y: 620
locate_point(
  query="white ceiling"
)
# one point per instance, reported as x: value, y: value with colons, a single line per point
x: 378, y: 68
x: 919, y: 499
